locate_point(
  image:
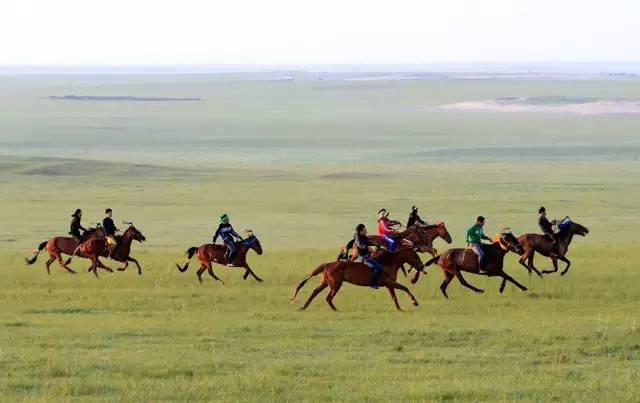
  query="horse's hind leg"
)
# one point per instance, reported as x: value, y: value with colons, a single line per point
x: 530, y: 264
x: 210, y: 270
x: 462, y: 281
x: 247, y: 271
x: 314, y: 293
x: 334, y: 290
x: 48, y: 263
x: 568, y: 262
x: 448, y: 276
x: 99, y: 264
x: 201, y: 270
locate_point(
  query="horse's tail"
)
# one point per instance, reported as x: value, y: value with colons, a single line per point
x: 314, y: 273
x: 36, y: 252
x: 190, y: 252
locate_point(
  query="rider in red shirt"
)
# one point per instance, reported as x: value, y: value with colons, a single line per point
x: 385, y: 229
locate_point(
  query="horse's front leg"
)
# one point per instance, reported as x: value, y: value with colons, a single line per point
x: 130, y: 259
x: 554, y: 260
x: 126, y: 264
x: 248, y: 271
x: 568, y: 262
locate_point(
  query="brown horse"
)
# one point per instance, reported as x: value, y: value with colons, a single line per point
x: 208, y: 253
x: 95, y: 248
x: 62, y: 245
x: 455, y: 261
x: 532, y: 243
x: 420, y: 236
x: 335, y: 273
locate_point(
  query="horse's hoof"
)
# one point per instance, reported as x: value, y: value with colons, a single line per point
x: 259, y: 280
x: 121, y: 269
x: 415, y: 303
x: 524, y: 289
x: 480, y: 291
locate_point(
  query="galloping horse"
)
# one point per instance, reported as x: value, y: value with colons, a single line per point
x: 420, y: 236
x: 543, y: 245
x: 62, y: 245
x: 208, y: 253
x: 454, y: 261
x: 357, y: 273
x: 95, y: 248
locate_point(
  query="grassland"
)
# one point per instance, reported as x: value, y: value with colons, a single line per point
x: 302, y: 183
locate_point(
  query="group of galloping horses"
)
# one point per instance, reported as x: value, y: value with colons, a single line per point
x: 452, y: 262
x: 419, y: 239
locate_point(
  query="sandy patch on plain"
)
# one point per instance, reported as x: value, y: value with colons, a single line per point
x: 578, y: 108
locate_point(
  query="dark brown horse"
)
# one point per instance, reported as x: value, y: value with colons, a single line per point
x: 95, y: 248
x: 532, y: 243
x: 357, y: 273
x: 420, y: 236
x: 58, y: 246
x: 454, y: 261
x: 208, y: 253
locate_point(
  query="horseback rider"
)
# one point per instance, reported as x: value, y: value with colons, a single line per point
x: 110, y: 230
x: 385, y: 228
x: 227, y: 233
x: 414, y: 217
x: 363, y: 244
x: 545, y: 225
x: 75, y: 227
x: 475, y: 235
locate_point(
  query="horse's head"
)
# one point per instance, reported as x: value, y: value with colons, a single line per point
x: 509, y: 242
x: 442, y: 232
x: 254, y: 243
x: 577, y: 229
x: 133, y: 233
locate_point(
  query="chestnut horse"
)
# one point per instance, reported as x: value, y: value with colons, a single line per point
x: 455, y: 261
x: 62, y: 245
x: 95, y: 248
x: 208, y: 253
x: 357, y: 273
x: 543, y: 245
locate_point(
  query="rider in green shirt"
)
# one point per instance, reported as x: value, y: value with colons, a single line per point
x: 474, y: 238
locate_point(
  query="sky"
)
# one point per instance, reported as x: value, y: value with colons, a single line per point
x: 168, y: 32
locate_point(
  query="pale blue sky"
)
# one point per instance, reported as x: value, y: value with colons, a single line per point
x: 124, y: 32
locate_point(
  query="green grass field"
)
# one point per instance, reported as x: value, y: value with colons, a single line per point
x: 301, y: 166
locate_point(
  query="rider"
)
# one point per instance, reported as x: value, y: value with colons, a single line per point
x: 363, y: 243
x: 414, y: 217
x: 226, y: 232
x: 75, y: 228
x: 110, y: 230
x: 385, y: 228
x: 475, y: 235
x: 546, y: 225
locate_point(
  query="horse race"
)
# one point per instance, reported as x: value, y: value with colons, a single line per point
x: 336, y: 201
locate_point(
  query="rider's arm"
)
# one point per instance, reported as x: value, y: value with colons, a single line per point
x: 216, y: 235
x: 235, y: 234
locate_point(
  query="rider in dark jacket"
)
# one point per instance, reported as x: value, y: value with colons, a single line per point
x: 364, y: 255
x: 75, y: 227
x: 110, y: 230
x: 227, y: 233
x: 545, y: 225
x: 414, y: 217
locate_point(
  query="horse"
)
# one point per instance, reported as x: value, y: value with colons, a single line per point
x: 420, y: 236
x: 357, y: 273
x: 208, y: 253
x: 454, y: 261
x: 57, y: 246
x: 532, y: 243
x: 95, y: 248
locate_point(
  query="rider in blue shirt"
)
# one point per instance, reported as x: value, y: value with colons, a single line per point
x: 227, y: 233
